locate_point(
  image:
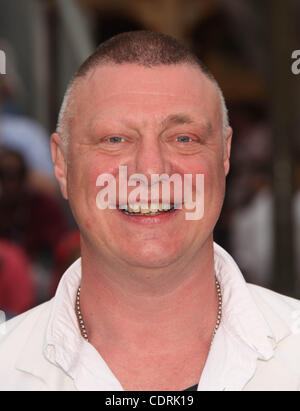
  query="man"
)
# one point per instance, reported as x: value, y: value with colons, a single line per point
x: 153, y: 304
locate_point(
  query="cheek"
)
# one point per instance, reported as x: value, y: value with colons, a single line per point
x: 84, y: 173
x: 214, y: 184
x: 211, y: 168
x: 82, y: 190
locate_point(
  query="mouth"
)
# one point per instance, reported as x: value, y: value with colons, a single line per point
x: 147, y: 211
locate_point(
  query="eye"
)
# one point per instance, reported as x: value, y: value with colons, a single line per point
x: 115, y: 139
x: 183, y: 139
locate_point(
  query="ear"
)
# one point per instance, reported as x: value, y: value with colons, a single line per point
x: 60, y: 163
x: 227, y: 150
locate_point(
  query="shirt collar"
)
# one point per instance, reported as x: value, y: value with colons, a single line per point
x: 243, y: 327
x: 244, y: 337
x: 64, y: 344
x: 241, y: 316
x: 63, y: 330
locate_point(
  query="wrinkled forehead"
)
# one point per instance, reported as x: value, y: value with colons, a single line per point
x: 122, y: 88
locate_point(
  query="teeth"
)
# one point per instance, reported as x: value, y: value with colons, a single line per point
x: 144, y: 209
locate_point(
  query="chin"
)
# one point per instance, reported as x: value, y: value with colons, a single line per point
x: 153, y: 256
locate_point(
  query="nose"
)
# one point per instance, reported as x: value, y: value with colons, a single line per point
x: 150, y: 158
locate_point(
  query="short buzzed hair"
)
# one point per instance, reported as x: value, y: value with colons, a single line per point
x: 145, y: 48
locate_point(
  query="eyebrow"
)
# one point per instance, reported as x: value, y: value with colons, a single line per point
x: 181, y: 118
x: 175, y: 119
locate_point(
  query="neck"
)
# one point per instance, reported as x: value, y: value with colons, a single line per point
x: 159, y: 309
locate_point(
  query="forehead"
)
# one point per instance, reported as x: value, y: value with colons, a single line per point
x: 133, y: 91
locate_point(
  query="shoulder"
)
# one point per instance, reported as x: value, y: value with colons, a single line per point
x: 23, y: 324
x: 16, y: 335
x: 285, y: 309
x: 282, y: 314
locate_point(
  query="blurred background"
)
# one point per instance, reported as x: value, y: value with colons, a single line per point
x: 247, y: 44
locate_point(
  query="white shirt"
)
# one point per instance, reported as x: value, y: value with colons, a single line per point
x: 240, y: 340
x: 255, y: 347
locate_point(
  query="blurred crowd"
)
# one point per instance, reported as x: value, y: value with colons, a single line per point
x: 249, y: 217
x: 38, y: 241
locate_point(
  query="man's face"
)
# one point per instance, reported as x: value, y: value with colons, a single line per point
x: 153, y: 120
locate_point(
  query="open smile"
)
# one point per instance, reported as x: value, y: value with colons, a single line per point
x: 148, y: 216
x: 145, y: 211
